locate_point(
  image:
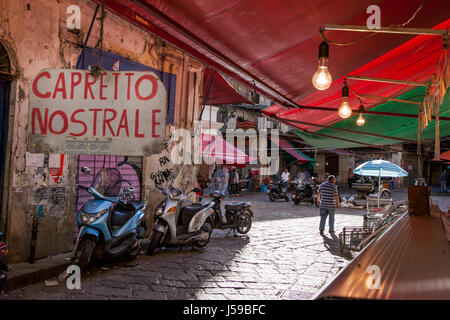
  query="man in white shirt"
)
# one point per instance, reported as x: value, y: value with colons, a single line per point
x: 285, y: 178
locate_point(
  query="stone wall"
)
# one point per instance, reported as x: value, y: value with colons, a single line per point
x: 36, y: 36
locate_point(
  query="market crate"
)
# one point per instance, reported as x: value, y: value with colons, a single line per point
x: 371, y: 220
x: 351, y: 237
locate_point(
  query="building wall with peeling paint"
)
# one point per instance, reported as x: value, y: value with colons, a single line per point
x: 35, y: 35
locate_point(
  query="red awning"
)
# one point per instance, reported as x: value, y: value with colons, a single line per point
x: 220, y: 92
x: 275, y: 42
x: 286, y: 146
x: 213, y: 146
x: 445, y: 156
x: 414, y: 60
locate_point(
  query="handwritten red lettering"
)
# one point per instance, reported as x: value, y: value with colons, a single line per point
x: 60, y: 86
x: 72, y: 118
x: 87, y: 86
x: 136, y: 126
x: 123, y: 123
x: 35, y: 88
x: 154, y: 87
x: 74, y: 83
x: 35, y: 112
x: 65, y: 122
x: 106, y: 121
x: 154, y: 123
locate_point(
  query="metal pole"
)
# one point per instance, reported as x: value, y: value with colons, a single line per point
x: 397, y: 30
x: 379, y: 186
x: 331, y: 137
x: 389, y: 99
x: 351, y: 131
x: 379, y: 113
x: 394, y: 81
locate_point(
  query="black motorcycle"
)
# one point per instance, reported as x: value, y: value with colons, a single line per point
x: 3, y: 266
x: 276, y: 191
x: 305, y: 192
x: 237, y: 217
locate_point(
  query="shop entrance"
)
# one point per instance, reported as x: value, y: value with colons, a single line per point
x: 332, y: 164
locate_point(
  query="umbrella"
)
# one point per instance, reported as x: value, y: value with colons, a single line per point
x: 380, y: 168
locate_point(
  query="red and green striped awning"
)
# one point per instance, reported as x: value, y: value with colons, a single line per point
x: 390, y: 126
x: 294, y: 152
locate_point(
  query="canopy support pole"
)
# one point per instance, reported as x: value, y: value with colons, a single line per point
x: 389, y: 99
x: 393, y: 81
x: 379, y: 186
x: 336, y: 138
x: 378, y: 113
x: 350, y: 131
x: 398, y: 30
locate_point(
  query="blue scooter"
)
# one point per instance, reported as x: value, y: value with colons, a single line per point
x: 108, y: 226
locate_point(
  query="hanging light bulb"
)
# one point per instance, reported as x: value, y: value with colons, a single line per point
x: 361, y: 121
x: 322, y: 78
x: 345, y: 111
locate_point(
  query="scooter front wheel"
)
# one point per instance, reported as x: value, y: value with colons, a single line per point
x: 137, y: 246
x: 272, y: 197
x: 84, y: 253
x: 207, y: 227
x: 244, y: 223
x: 156, y: 239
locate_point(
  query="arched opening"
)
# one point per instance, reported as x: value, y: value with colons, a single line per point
x: 5, y: 88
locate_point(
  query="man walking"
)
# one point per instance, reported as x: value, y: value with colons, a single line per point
x: 328, y: 198
x: 443, y: 179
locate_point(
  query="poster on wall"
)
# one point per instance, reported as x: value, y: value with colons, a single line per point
x: 77, y: 112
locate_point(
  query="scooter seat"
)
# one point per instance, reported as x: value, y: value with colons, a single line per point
x: 136, y: 204
x: 119, y: 218
x: 236, y: 206
x: 194, y: 208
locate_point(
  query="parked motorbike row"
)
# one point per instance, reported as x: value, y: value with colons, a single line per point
x: 305, y: 192
x: 112, y: 224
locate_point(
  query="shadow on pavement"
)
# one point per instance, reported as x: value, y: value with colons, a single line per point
x: 332, y: 245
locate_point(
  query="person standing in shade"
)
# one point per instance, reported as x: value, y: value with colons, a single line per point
x: 236, y: 183
x: 285, y: 178
x: 328, y: 199
x: 350, y: 178
x: 443, y: 179
x: 231, y: 179
x: 250, y: 177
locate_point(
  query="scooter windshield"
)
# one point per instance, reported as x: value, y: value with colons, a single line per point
x: 108, y: 182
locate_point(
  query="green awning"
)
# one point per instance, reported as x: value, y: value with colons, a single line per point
x: 401, y: 127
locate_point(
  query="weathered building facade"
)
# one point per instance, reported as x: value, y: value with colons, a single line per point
x: 34, y: 35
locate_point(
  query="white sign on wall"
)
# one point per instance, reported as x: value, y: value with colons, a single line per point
x: 74, y: 112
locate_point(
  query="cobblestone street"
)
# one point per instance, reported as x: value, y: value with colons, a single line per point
x: 283, y: 257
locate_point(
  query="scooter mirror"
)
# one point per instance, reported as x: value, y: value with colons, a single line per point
x: 86, y: 170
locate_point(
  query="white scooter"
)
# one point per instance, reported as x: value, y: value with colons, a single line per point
x: 176, y: 225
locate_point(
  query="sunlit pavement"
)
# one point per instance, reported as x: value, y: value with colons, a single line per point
x: 283, y: 257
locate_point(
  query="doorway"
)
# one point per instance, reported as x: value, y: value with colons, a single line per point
x: 5, y: 85
x: 332, y: 164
